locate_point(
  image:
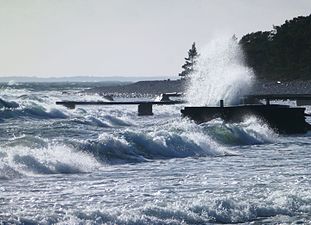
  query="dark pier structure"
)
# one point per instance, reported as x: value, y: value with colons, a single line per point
x: 281, y: 118
x: 144, y: 107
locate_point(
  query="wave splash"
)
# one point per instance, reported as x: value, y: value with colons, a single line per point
x: 220, y: 73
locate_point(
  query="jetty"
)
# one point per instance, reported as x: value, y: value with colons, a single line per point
x: 144, y: 107
x: 281, y: 118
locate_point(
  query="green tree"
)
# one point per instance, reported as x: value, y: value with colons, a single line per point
x: 283, y: 53
x: 188, y: 67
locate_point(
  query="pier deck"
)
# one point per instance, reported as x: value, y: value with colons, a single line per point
x: 144, y: 107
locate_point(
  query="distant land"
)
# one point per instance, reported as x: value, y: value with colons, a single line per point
x: 153, y: 87
x: 164, y: 86
x: 24, y: 79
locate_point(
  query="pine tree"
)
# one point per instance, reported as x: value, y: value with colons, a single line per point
x: 188, y: 67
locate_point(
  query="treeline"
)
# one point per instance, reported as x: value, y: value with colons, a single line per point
x: 283, y: 53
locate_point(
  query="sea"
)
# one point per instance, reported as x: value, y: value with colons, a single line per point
x: 107, y: 165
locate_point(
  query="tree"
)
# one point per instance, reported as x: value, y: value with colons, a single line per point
x: 188, y: 67
x: 283, y: 53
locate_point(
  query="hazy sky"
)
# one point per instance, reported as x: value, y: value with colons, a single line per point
x: 124, y: 37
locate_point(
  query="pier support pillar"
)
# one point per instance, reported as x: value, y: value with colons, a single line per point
x: 145, y: 109
x: 221, y: 103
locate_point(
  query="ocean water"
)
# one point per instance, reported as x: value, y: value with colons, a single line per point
x: 106, y: 165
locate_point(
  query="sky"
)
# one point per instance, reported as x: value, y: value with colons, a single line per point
x: 56, y: 38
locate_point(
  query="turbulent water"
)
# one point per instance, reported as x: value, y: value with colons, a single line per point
x: 106, y: 165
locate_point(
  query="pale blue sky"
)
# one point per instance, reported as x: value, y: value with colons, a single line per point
x: 124, y: 37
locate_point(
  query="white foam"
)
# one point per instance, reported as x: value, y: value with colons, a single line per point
x: 220, y: 73
x: 46, y: 160
x: 170, y: 140
x: 249, y: 132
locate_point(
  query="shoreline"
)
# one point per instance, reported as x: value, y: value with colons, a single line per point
x: 168, y: 86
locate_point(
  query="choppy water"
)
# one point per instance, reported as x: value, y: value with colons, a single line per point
x: 97, y: 165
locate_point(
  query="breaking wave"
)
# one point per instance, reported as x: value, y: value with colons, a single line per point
x: 8, y: 104
x: 34, y: 113
x: 12, y: 109
x: 252, y: 131
x: 28, y: 155
x: 22, y: 160
x: 176, y: 140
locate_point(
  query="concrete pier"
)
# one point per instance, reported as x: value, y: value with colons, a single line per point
x: 281, y: 118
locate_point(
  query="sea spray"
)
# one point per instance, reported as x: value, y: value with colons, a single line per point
x: 220, y: 73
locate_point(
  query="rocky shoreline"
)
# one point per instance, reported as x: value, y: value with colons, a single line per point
x: 167, y: 86
x: 142, y: 88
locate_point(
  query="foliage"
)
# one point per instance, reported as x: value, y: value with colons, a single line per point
x: 188, y: 67
x: 283, y: 53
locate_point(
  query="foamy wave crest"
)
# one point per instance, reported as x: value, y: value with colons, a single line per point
x: 8, y: 104
x: 178, y: 139
x: 220, y: 73
x: 21, y: 160
x: 172, y: 140
x: 105, y: 121
x: 32, y: 110
x: 251, y: 131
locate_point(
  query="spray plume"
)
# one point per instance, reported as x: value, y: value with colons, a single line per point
x: 220, y: 73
